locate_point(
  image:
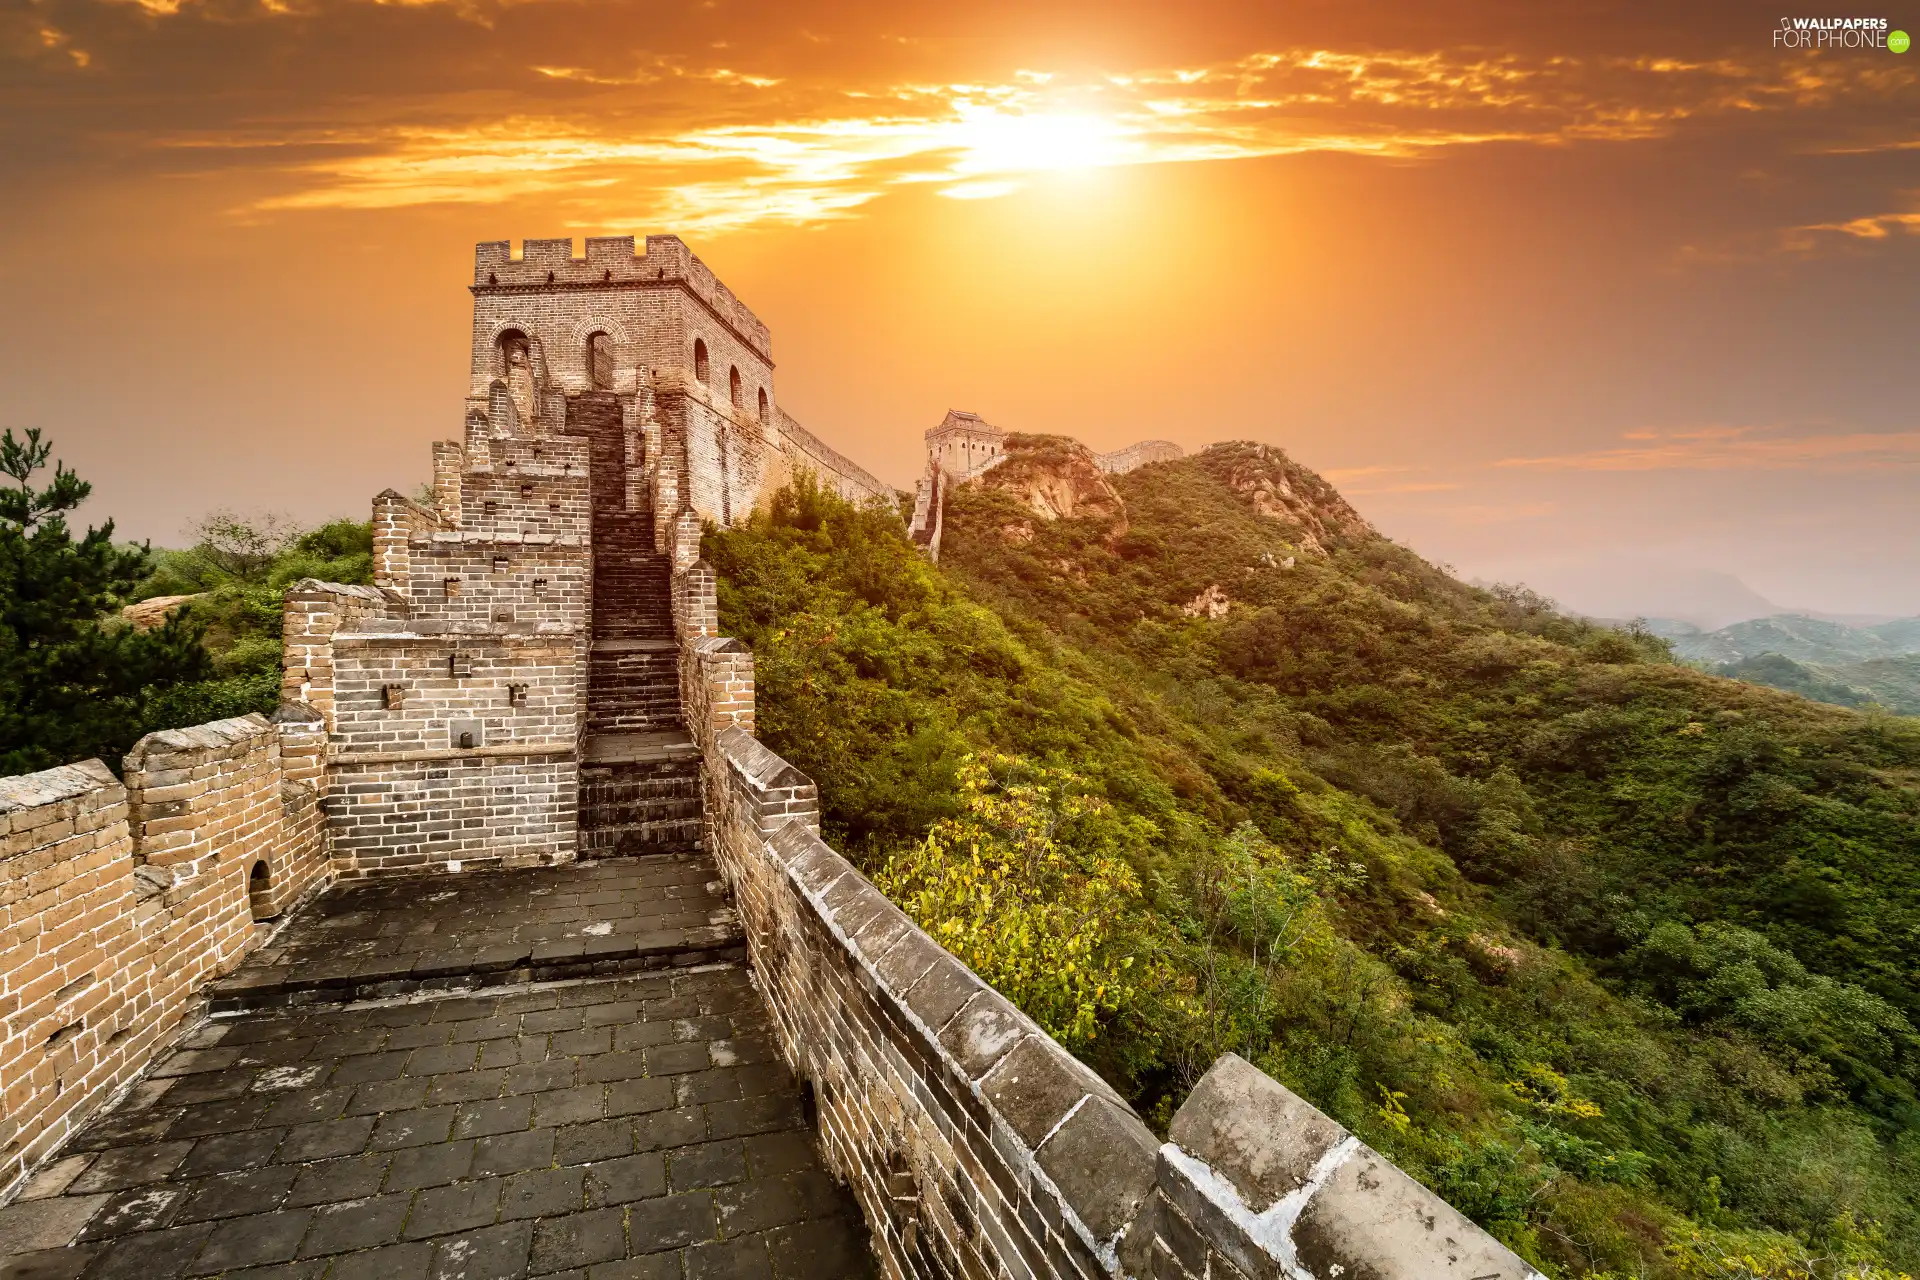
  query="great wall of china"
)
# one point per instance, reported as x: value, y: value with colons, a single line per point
x: 505, y: 948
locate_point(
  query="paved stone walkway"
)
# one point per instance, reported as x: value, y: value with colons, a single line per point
x: 636, y: 1127
x: 385, y: 937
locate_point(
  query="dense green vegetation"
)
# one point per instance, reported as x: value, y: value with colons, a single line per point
x: 237, y: 572
x: 76, y: 680
x: 69, y: 686
x: 1614, y: 954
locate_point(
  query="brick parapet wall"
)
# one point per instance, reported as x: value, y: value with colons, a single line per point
x: 398, y: 522
x: 406, y: 813
x: 833, y: 469
x: 466, y: 583
x: 449, y: 461
x: 314, y: 612
x: 695, y: 601
x: 1256, y: 1182
x: 1135, y: 456
x: 405, y: 691
x: 119, y: 901
x: 975, y: 1144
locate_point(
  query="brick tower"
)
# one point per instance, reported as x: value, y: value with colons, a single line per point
x: 508, y: 691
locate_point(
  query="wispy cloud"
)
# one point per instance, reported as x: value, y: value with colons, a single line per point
x: 824, y: 151
x: 1738, y: 449
x: 1873, y: 227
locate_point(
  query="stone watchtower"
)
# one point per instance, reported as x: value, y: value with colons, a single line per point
x: 508, y: 691
x: 964, y: 444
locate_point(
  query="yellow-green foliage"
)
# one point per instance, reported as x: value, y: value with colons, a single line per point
x: 1852, y: 1254
x: 1025, y: 886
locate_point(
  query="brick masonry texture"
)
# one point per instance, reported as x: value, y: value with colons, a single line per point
x: 396, y: 1086
x: 119, y: 901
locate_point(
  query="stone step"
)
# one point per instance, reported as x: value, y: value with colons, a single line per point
x: 637, y: 722
x: 674, y: 748
x: 641, y: 838
x: 493, y: 928
x: 610, y: 694
x: 639, y: 792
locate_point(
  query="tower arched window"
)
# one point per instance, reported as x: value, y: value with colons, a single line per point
x: 511, y: 350
x: 700, y: 369
x: 763, y: 404
x: 260, y: 892
x: 600, y: 361
x: 733, y: 385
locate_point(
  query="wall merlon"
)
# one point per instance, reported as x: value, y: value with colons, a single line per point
x: 611, y: 263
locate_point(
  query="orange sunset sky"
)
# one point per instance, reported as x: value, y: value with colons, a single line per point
x: 1598, y: 295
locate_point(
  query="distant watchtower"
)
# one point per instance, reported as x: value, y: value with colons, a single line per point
x: 964, y: 443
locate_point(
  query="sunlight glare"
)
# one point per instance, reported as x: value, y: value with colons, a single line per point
x: 998, y: 142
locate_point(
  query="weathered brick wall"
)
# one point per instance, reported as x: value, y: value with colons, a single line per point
x: 67, y: 907
x: 729, y: 462
x: 118, y: 902
x: 1135, y: 456
x: 522, y: 504
x: 716, y: 684
x: 695, y: 601
x: 314, y: 612
x: 975, y: 1144
x: 398, y: 523
x: 833, y: 469
x: 408, y: 813
x: 1256, y: 1182
x: 304, y: 860
x: 410, y: 692
x: 472, y: 583
x: 455, y: 708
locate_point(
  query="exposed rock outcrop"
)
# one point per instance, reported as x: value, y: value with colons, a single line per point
x: 1057, y: 479
x: 1211, y: 603
x: 145, y: 615
x: 1281, y: 489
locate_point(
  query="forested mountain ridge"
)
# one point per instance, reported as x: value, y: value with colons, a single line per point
x: 1828, y: 661
x: 1611, y: 952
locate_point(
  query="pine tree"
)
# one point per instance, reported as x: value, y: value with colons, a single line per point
x: 74, y: 682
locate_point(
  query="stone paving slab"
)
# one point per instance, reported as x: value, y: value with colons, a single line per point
x: 659, y: 747
x: 609, y: 1129
x: 373, y: 938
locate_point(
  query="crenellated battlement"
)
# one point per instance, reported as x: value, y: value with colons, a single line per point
x: 612, y: 263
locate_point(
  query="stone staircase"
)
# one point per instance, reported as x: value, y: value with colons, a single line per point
x: 639, y: 770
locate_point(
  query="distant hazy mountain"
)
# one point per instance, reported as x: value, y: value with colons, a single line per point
x: 1793, y: 635
x: 1814, y: 657
x: 1625, y: 586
